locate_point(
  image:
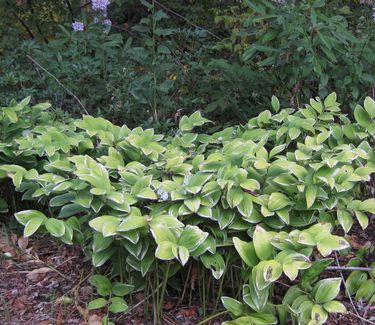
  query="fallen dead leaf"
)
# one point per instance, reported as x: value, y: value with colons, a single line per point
x: 38, y: 274
x: 23, y: 242
x: 188, y: 312
x: 169, y: 305
x: 83, y: 312
x: 95, y: 320
x: 13, y: 238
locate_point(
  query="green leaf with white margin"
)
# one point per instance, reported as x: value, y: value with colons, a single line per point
x: 132, y: 222
x: 345, y: 219
x: 99, y: 222
x: 311, y: 191
x: 246, y: 206
x: 246, y: 251
x: 326, y: 243
x: 275, y: 103
x: 330, y: 100
x: 24, y: 216
x: 55, y: 227
x: 196, y: 182
x: 272, y: 270
x: 262, y: 243
x: 362, y: 219
x: 335, y: 306
x: 183, y: 254
x: 277, y: 201
x: 33, y: 225
x: 188, y: 123
x: 193, y: 204
x: 369, y: 105
x: 233, y: 306
x: 362, y: 117
x: 366, y: 290
x: 166, y: 251
x: 215, y: 263
x: 234, y: 197
x: 319, y: 315
x: 191, y: 237
x: 161, y: 234
x: 250, y: 184
x: 326, y: 290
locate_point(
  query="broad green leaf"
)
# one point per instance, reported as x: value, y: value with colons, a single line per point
x: 246, y: 251
x: 132, y: 222
x: 345, y: 219
x: 33, y: 225
x: 311, y: 191
x: 97, y: 303
x: 117, y: 305
x: 102, y: 284
x: 369, y: 105
x: 166, y: 251
x: 55, y: 227
x: 335, y: 307
x: 246, y: 206
x: 327, y: 290
x: 275, y: 103
x: 262, y: 243
x: 362, y: 117
x: 278, y: 201
x: 232, y: 305
x: 24, y: 216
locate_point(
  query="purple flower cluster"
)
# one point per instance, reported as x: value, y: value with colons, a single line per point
x: 100, y: 5
x: 107, y: 22
x: 280, y: 2
x: 78, y: 26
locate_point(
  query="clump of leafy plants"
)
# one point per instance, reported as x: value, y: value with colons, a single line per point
x: 254, y: 209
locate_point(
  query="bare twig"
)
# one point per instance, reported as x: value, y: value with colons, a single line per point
x: 187, y: 20
x: 59, y: 82
x: 347, y: 291
x: 361, y: 318
x: 348, y: 268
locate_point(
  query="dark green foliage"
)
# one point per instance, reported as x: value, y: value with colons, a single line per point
x: 162, y: 60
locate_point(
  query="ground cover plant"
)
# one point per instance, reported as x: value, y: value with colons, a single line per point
x: 259, y: 211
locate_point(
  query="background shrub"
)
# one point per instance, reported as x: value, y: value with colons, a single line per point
x: 158, y: 61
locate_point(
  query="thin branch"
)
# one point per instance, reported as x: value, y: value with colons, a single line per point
x: 213, y: 317
x: 70, y: 9
x: 59, y: 82
x: 187, y: 20
x: 361, y: 318
x: 348, y: 268
x: 347, y: 291
x: 28, y: 30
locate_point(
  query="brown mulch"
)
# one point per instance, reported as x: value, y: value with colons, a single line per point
x: 43, y: 282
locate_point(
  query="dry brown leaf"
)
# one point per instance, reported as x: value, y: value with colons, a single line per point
x: 169, y: 305
x: 95, y: 320
x: 23, y: 242
x: 83, y: 312
x: 13, y: 237
x: 38, y: 274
